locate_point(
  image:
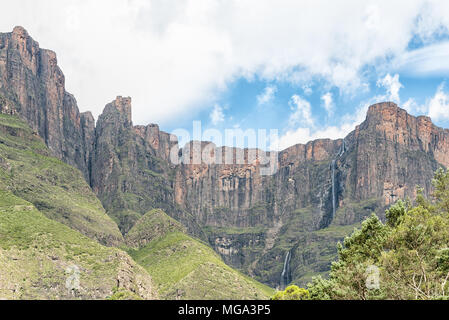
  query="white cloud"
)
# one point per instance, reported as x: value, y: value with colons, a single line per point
x: 410, y: 105
x: 328, y: 103
x: 432, y: 20
x: 432, y: 60
x: 392, y: 86
x: 267, y: 95
x: 301, y: 111
x: 150, y: 49
x: 438, y: 105
x: 303, y: 134
x: 217, y: 115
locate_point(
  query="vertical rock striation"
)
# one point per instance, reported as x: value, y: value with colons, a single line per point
x: 33, y: 84
x: 131, y: 172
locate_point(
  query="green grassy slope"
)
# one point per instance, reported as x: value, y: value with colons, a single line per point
x: 41, y: 197
x: 185, y: 268
x: 152, y: 226
x: 38, y: 255
x: 58, y: 190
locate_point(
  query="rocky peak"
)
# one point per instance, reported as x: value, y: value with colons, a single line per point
x: 123, y: 105
x: 34, y: 87
x: 87, y: 117
x: 20, y: 37
x: 158, y: 141
x: 383, y: 106
x: 386, y: 113
x: 415, y: 133
x: 118, y: 111
x: 20, y: 31
x: 317, y: 150
x: 24, y: 46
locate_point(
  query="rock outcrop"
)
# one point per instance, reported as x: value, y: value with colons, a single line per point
x: 131, y: 172
x: 407, y: 151
x: 33, y: 84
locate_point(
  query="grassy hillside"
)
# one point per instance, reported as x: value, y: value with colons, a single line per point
x: 43, y: 199
x: 185, y: 268
x: 38, y: 256
x: 56, y: 189
x: 151, y: 227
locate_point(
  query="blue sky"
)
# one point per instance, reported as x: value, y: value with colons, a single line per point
x: 256, y: 103
x: 307, y: 68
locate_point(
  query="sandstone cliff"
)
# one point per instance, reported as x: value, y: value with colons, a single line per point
x: 131, y: 172
x: 32, y: 82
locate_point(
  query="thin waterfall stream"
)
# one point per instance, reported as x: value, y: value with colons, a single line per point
x: 334, y: 200
x: 333, y: 167
x: 285, y: 275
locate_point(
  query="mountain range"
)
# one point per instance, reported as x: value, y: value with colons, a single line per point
x: 103, y: 195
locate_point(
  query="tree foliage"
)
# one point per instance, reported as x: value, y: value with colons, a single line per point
x: 292, y: 293
x: 405, y: 258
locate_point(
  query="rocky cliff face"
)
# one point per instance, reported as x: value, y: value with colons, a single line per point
x: 320, y: 191
x: 130, y: 171
x: 32, y: 85
x: 407, y: 150
x: 252, y: 220
x: 384, y: 159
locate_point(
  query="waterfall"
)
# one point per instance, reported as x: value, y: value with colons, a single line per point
x: 285, y: 275
x: 342, y: 148
x: 333, y: 166
x: 333, y: 189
